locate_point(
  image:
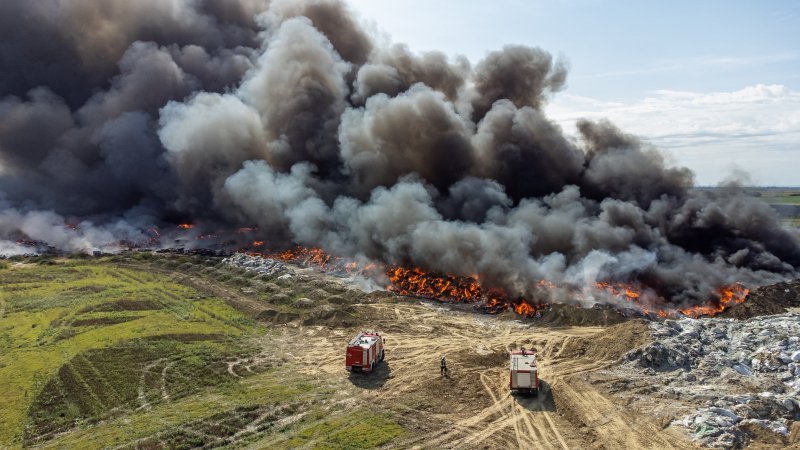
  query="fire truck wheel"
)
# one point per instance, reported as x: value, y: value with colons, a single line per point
x: 383, y: 354
x: 372, y: 367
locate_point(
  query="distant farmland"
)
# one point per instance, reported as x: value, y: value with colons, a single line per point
x: 785, y: 200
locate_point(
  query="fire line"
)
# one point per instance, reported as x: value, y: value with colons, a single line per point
x: 416, y: 282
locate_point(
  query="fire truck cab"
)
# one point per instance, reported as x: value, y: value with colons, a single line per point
x: 364, y: 352
x: 524, y: 376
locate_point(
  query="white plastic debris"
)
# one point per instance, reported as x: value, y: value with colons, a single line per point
x: 709, y: 361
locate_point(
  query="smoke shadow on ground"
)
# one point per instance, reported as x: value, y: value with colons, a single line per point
x: 537, y: 403
x: 373, y: 380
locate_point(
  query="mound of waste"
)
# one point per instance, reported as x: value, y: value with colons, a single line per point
x: 263, y: 266
x: 774, y: 299
x: 734, y: 374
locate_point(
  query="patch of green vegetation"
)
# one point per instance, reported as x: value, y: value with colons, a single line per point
x: 219, y: 429
x: 788, y: 199
x: 95, y: 353
x: 792, y: 221
x: 64, y: 324
x: 356, y: 429
x: 209, y: 416
x: 124, y: 305
x: 99, y: 381
x: 100, y: 321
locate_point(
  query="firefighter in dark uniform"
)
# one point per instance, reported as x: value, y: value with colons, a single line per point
x: 443, y: 366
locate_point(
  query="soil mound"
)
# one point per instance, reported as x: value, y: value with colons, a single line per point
x: 569, y: 315
x: 333, y: 317
x: 767, y: 300
x: 610, y: 344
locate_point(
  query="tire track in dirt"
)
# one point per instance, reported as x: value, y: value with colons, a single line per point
x: 140, y: 395
x: 484, y: 415
x: 607, y: 421
x: 490, y: 430
x: 497, y: 408
x: 508, y: 420
x: 505, y: 416
x: 553, y: 427
x: 163, y: 380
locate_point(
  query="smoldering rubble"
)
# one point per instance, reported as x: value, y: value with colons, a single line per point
x: 123, y: 117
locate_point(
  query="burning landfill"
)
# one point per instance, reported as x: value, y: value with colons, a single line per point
x: 293, y: 118
x: 288, y: 131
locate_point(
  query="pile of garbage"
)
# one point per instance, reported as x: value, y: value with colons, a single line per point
x: 733, y: 374
x: 767, y: 300
x: 258, y: 264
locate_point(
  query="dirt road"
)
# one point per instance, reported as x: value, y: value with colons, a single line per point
x: 473, y: 408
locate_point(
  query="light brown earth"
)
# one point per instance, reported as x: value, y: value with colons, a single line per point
x: 291, y: 389
x: 472, y: 407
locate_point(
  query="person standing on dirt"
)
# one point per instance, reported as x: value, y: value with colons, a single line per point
x: 443, y: 366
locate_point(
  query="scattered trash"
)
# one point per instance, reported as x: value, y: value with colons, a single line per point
x: 263, y: 266
x: 737, y: 371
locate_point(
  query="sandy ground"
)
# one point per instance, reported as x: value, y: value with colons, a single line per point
x: 473, y: 407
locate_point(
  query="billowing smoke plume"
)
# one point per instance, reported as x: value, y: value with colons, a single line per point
x: 120, y: 118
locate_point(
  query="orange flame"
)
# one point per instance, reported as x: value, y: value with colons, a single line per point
x: 546, y: 284
x: 185, y: 226
x: 313, y: 257
x: 413, y: 282
x: 416, y: 282
x: 492, y: 303
x: 728, y: 296
x: 626, y: 291
x: 524, y: 308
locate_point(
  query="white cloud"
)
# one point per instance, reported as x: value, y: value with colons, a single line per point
x: 683, y: 64
x: 756, y: 128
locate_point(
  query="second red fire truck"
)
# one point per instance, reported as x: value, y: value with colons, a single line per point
x: 524, y: 376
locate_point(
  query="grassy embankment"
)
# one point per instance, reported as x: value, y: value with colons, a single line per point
x: 93, y: 353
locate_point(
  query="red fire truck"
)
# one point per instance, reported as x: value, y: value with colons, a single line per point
x: 364, y: 352
x: 524, y: 376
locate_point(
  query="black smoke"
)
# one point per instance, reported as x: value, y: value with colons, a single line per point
x: 118, y: 118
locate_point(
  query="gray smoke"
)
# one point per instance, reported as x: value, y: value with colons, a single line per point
x: 119, y: 119
x: 523, y: 75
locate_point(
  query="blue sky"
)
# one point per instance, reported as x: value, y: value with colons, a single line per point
x: 714, y: 84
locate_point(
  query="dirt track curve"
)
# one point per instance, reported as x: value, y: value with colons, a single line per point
x: 473, y: 408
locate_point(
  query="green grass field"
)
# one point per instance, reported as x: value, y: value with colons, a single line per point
x: 783, y: 199
x: 94, y: 353
x: 357, y: 429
